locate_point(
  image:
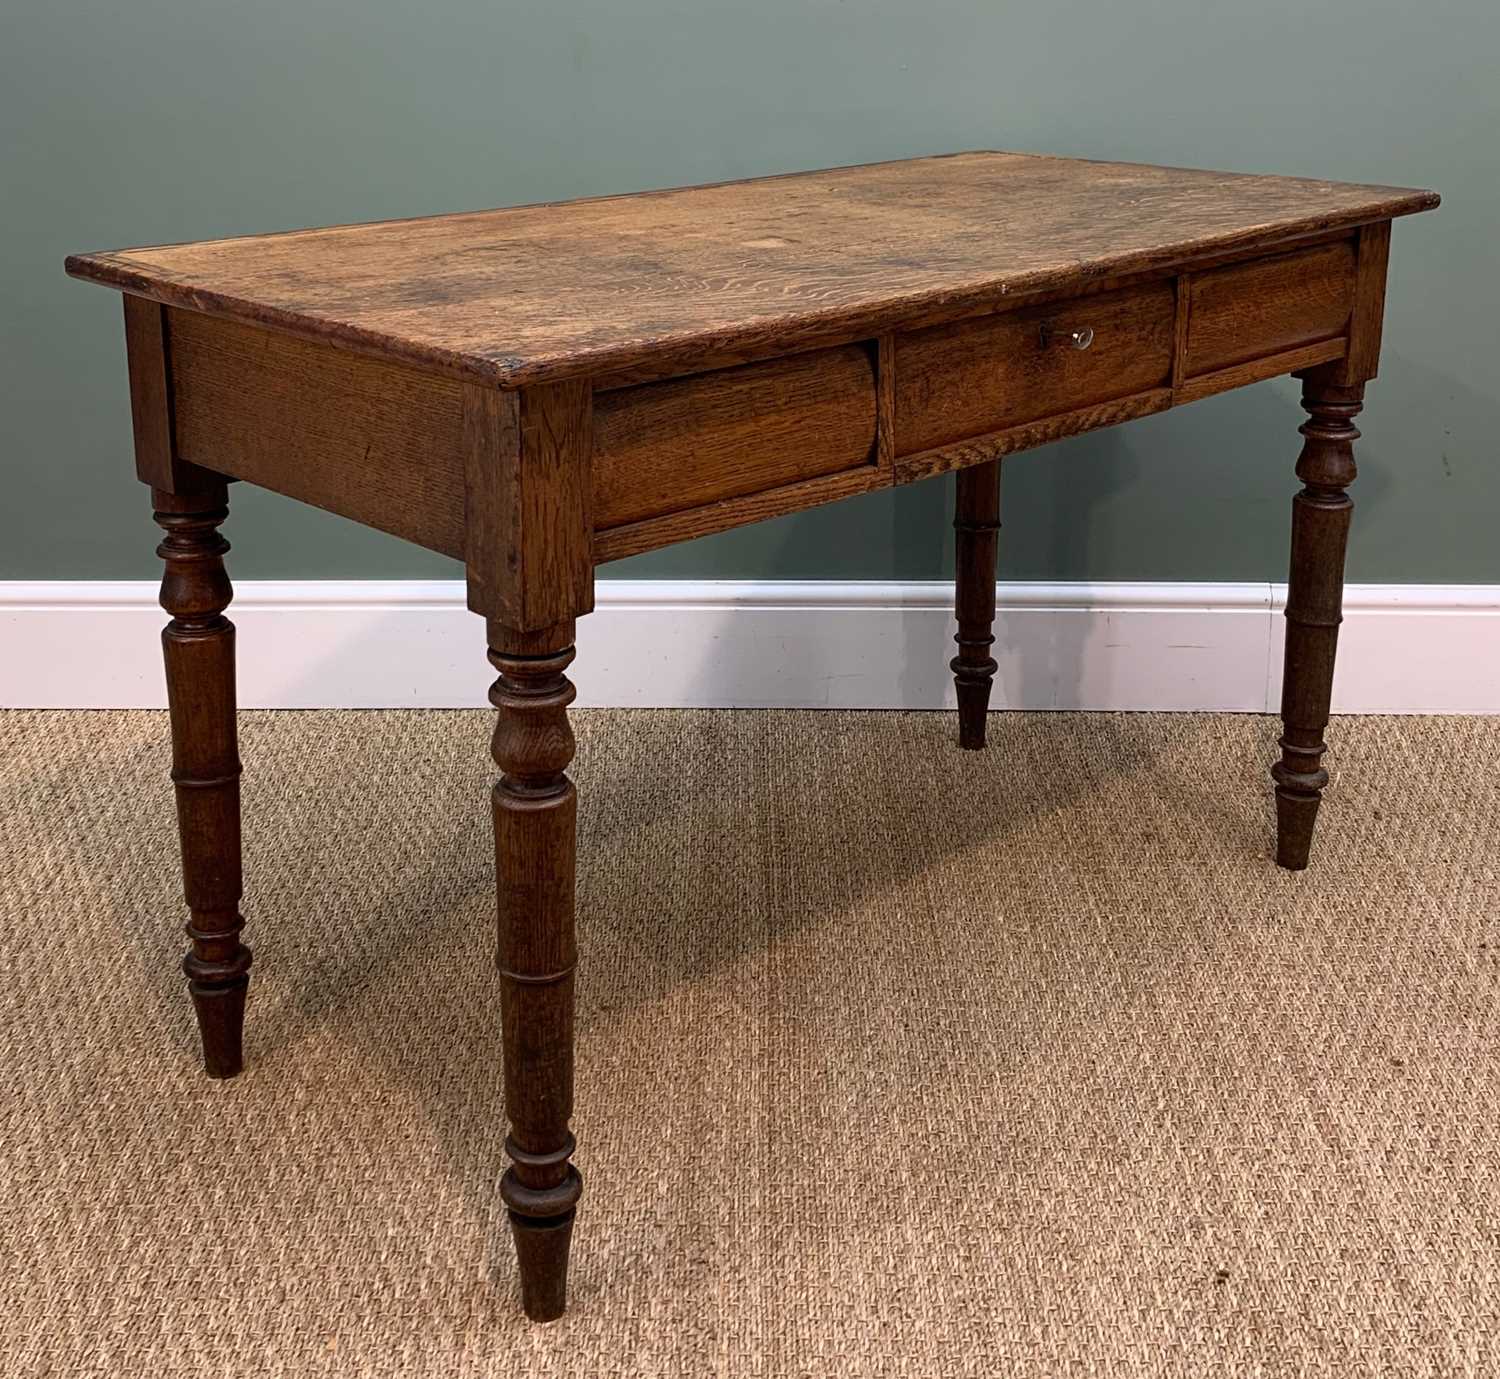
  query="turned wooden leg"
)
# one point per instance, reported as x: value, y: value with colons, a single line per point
x: 1320, y: 531
x: 535, y: 810
x: 198, y: 645
x: 977, y: 521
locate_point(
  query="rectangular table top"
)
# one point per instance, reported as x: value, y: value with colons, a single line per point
x: 539, y: 293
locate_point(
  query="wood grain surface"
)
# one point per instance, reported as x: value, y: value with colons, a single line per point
x: 150, y: 392
x: 663, y: 447
x: 615, y: 543
x: 976, y: 527
x: 540, y: 293
x: 529, y: 528
x: 1367, y: 321
x: 376, y: 442
x: 535, y: 809
x: 1257, y: 309
x: 198, y: 649
x: 1321, y: 514
x: 953, y: 382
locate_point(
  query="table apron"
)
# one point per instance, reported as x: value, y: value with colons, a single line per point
x: 395, y: 447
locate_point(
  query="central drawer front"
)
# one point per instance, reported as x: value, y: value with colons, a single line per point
x: 667, y: 447
x: 958, y: 381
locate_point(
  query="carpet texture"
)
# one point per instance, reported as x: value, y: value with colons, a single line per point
x: 892, y: 1060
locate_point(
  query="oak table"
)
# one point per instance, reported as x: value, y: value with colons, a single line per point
x: 541, y: 389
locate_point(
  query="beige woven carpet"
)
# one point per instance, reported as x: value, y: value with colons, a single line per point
x: 892, y: 1060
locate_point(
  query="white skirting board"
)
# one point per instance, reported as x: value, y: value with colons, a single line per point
x: 740, y: 644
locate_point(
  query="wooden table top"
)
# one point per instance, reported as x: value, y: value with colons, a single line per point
x: 540, y: 293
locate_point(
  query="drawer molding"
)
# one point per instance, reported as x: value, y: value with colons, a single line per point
x: 1029, y: 435
x: 615, y: 543
x: 1256, y: 370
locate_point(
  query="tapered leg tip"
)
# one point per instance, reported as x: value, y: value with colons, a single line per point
x: 1295, y: 815
x: 542, y: 1246
x: 973, y: 690
x: 221, y: 1025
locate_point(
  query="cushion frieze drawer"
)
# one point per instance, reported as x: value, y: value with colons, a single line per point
x: 668, y: 447
x: 961, y: 380
x: 1253, y: 310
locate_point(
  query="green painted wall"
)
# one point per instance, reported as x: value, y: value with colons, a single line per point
x: 184, y: 119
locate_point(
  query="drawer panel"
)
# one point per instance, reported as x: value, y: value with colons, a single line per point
x: 961, y: 380
x: 669, y: 447
x: 1252, y: 310
x: 376, y: 442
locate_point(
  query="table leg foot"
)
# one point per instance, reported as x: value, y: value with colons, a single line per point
x: 977, y: 522
x: 542, y: 1246
x: 1296, y: 812
x: 535, y: 811
x: 221, y: 1023
x: 198, y: 648
x: 1320, y: 531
